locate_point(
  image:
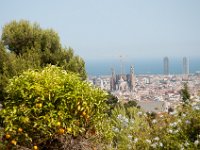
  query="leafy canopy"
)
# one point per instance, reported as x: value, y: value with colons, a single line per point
x: 26, y: 46
x: 35, y: 47
x: 22, y: 36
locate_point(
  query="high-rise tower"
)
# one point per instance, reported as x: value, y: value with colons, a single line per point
x: 113, y: 80
x: 185, y: 66
x: 132, y: 79
x: 166, y: 65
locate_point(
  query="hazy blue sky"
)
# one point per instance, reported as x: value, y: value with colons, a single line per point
x: 104, y: 29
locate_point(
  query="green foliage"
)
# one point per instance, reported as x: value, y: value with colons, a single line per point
x: 49, y: 103
x: 50, y: 41
x: 130, y: 104
x: 72, y: 62
x: 28, y: 46
x: 123, y: 125
x: 185, y: 93
x: 2, y: 57
x: 21, y: 36
x: 36, y: 47
x: 135, y: 130
x: 112, y: 102
x: 5, y: 70
x: 2, y: 146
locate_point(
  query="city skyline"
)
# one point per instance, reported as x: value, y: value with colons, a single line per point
x: 103, y: 30
x: 175, y: 66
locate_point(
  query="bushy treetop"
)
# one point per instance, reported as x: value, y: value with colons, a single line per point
x: 24, y: 46
x: 22, y: 36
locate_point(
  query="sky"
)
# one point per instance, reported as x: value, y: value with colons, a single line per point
x: 101, y: 30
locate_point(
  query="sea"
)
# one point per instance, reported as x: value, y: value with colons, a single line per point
x: 141, y: 67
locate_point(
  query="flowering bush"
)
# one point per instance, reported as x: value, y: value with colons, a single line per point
x: 125, y: 128
x: 133, y: 129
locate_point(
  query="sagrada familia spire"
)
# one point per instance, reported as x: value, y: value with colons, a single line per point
x: 121, y: 82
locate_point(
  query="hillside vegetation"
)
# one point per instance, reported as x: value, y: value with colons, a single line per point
x: 47, y: 104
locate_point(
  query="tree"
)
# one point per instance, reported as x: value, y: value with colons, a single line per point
x: 185, y: 93
x: 112, y: 102
x: 2, y: 58
x: 21, y: 36
x: 35, y: 47
x: 2, y: 69
x: 49, y: 103
x: 50, y: 41
x: 28, y: 46
x: 130, y: 104
x: 5, y: 69
x: 75, y: 63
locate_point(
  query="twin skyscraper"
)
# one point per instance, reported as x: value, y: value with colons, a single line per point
x: 185, y: 66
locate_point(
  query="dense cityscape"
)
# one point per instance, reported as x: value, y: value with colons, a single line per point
x: 156, y: 93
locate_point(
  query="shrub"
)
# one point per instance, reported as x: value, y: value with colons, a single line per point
x: 124, y: 127
x: 132, y: 129
x: 48, y: 103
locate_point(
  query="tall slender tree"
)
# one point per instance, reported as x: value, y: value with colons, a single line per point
x: 185, y: 93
